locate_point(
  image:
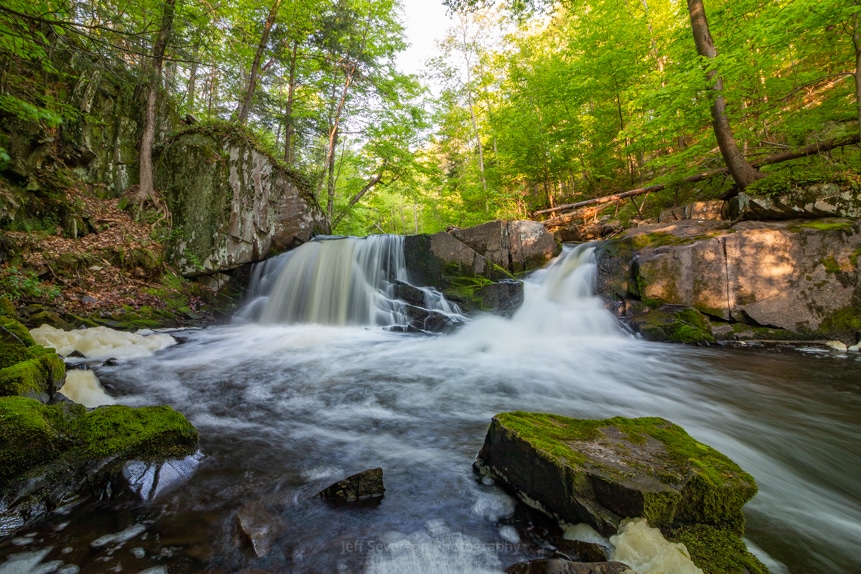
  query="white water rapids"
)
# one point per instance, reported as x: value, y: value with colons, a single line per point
x: 285, y: 410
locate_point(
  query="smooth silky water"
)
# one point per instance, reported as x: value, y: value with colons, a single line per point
x: 285, y: 410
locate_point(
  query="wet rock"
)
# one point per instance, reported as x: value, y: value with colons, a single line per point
x: 569, y: 234
x: 557, y: 566
x: 424, y: 320
x: 259, y: 526
x: 435, y: 259
x: 602, y: 471
x: 516, y: 246
x: 674, y: 324
x: 150, y: 479
x: 503, y: 297
x: 837, y: 346
x: 365, y: 485
x: 582, y: 551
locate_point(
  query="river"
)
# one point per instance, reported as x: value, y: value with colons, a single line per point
x: 285, y: 410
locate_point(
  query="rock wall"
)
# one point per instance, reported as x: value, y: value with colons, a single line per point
x: 231, y: 203
x: 799, y: 277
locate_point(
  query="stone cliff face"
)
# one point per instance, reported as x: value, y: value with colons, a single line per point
x: 798, y: 277
x: 231, y: 204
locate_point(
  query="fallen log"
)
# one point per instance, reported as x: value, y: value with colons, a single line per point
x: 772, y: 159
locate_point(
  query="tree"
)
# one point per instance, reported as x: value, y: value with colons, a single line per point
x: 146, y: 191
x: 245, y: 104
x: 742, y: 172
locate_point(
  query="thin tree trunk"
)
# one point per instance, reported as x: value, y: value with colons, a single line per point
x: 288, y: 112
x: 245, y: 105
x: 856, y: 43
x: 478, y: 144
x: 146, y: 190
x: 742, y: 172
x: 333, y: 142
x: 190, y: 94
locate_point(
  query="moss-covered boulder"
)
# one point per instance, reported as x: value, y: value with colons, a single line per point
x: 674, y: 324
x: 55, y: 454
x: 27, y: 369
x: 603, y: 471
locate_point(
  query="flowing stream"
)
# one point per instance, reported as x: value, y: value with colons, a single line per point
x: 284, y: 410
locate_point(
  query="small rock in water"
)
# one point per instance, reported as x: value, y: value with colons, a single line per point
x: 837, y: 346
x: 119, y: 537
x: 258, y: 525
x: 556, y: 566
x: 854, y: 348
x: 362, y: 486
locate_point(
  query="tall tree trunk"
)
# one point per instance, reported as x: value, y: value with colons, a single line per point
x: 742, y: 172
x: 146, y: 191
x: 288, y: 112
x: 245, y: 105
x: 333, y: 143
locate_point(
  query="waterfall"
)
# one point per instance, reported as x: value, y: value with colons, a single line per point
x: 338, y: 281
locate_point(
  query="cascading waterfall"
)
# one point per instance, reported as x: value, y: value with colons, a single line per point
x: 337, y: 281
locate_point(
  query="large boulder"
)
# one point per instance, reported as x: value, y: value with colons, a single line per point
x: 513, y: 245
x: 464, y: 276
x: 231, y: 203
x: 797, y: 276
x: 603, y: 471
x: 53, y: 455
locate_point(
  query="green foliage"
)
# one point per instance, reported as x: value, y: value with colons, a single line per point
x: 25, y: 285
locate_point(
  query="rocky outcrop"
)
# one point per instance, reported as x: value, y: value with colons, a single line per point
x: 603, y: 471
x: 798, y: 277
x: 799, y: 202
x: 513, y: 245
x: 474, y: 267
x: 231, y: 203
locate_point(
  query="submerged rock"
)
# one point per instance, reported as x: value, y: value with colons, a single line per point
x: 259, y: 527
x: 557, y: 566
x: 603, y: 471
x: 364, y: 485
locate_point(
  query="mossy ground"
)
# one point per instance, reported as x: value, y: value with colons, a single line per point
x: 37, y: 434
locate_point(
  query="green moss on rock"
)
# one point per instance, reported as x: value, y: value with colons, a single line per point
x: 645, y: 467
x: 7, y: 308
x: 675, y: 324
x: 39, y: 377
x: 36, y: 434
x: 33, y: 434
x: 140, y: 433
x: 716, y: 550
